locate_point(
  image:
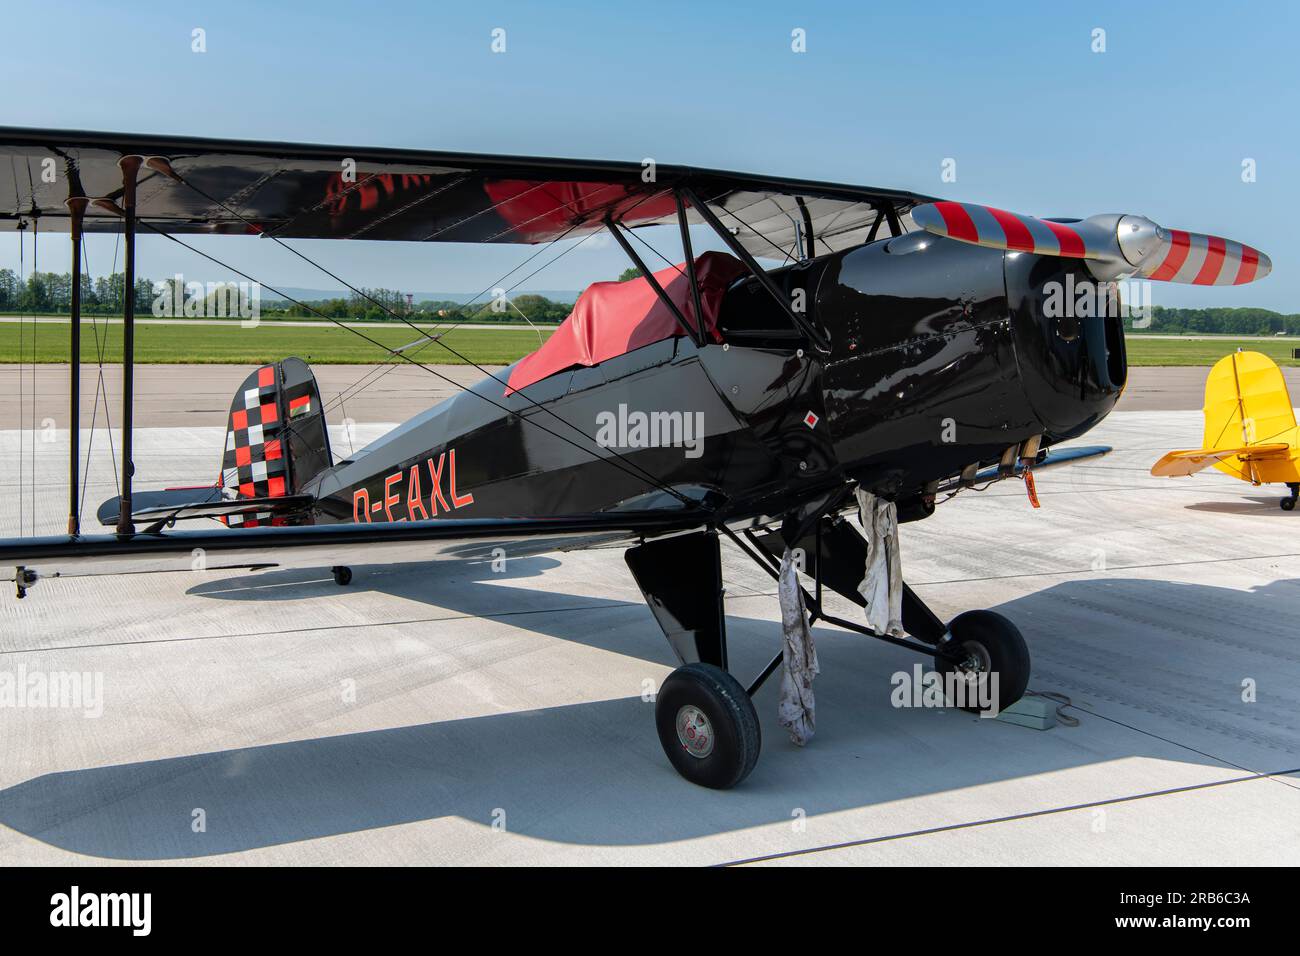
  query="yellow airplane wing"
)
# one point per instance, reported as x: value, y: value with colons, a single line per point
x: 1179, y: 464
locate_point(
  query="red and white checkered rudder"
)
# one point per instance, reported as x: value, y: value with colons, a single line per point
x: 276, y: 440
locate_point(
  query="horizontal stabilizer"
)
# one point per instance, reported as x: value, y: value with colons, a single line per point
x: 1180, y: 464
x: 179, y: 504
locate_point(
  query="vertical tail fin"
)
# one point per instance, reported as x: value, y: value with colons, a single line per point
x: 276, y: 439
x: 1246, y: 402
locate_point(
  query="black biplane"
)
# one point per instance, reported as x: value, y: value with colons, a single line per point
x: 901, y: 346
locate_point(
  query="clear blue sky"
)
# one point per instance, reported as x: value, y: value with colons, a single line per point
x: 1158, y: 124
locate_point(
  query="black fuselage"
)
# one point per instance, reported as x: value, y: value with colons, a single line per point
x: 941, y: 356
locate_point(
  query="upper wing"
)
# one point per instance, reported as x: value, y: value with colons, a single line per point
x: 343, y: 192
x: 1179, y: 464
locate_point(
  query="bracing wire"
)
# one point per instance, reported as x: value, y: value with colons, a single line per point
x: 369, y: 378
x: 22, y: 361
x: 644, y: 242
x: 101, y: 387
x: 385, y: 308
x: 379, y: 372
x: 36, y: 265
x: 784, y: 254
x: 645, y: 476
x: 622, y: 464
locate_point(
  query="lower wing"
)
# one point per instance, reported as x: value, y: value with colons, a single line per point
x: 466, y: 539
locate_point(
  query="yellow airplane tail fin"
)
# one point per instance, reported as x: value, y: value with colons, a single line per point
x: 1246, y: 402
x: 1250, y: 426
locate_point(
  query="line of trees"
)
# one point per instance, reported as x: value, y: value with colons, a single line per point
x: 536, y: 308
x: 1220, y: 321
x: 50, y: 293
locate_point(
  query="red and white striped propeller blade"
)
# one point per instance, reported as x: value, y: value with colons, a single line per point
x: 1198, y: 259
x: 1114, y: 245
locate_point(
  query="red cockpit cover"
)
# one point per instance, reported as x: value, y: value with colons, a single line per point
x: 612, y: 318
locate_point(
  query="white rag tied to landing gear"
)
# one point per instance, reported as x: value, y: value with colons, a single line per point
x: 883, y: 585
x: 798, y: 657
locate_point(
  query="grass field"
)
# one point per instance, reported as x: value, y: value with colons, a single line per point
x: 1143, y: 350
x: 209, y: 344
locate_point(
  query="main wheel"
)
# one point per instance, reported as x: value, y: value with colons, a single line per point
x: 986, y: 643
x: 1288, y: 504
x: 342, y: 575
x: 708, y: 726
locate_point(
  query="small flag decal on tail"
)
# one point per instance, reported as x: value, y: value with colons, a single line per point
x: 300, y: 406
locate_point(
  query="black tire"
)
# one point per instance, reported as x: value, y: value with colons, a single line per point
x: 998, y: 646
x: 342, y: 576
x: 729, y: 714
x: 1288, y: 504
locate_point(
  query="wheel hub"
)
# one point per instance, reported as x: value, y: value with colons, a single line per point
x: 694, y: 731
x: 976, y: 663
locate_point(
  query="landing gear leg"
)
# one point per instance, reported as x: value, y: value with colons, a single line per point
x: 977, y: 643
x: 705, y: 718
x: 1288, y: 504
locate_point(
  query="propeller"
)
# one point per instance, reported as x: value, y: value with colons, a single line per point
x: 1116, y: 246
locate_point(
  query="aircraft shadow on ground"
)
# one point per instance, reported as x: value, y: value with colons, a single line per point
x: 465, y: 589
x: 593, y: 773
x: 1252, y: 505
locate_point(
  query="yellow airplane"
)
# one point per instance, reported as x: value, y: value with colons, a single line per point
x: 1250, y: 427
